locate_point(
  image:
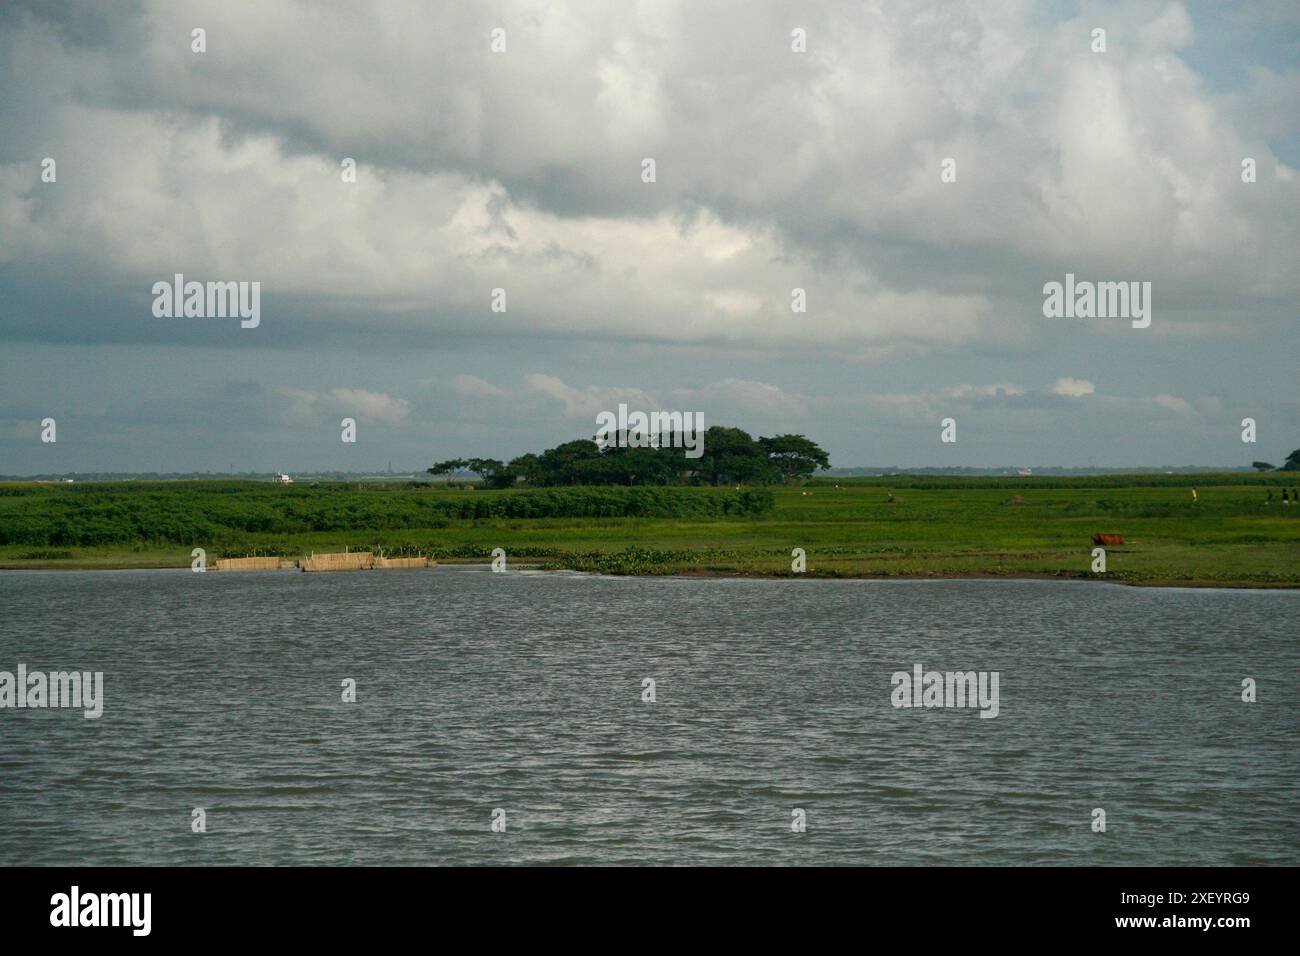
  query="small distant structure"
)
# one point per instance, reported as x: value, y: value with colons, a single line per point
x: 283, y: 478
x: 253, y: 564
x: 320, y: 561
x: 338, y: 561
x: 382, y: 562
x: 360, y: 561
x: 1025, y: 472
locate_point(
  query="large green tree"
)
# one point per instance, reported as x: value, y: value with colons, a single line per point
x: 1292, y: 462
x: 526, y: 468
x: 794, y: 456
x: 732, y: 455
x: 494, y: 473
x: 623, y: 465
x: 573, y: 463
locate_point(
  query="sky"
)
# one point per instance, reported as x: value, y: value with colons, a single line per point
x: 522, y: 168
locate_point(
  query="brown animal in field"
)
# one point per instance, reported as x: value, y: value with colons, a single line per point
x: 1107, y: 539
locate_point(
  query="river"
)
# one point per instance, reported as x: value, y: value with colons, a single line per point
x: 522, y: 697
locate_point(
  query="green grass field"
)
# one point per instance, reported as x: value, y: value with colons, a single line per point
x: 933, y: 527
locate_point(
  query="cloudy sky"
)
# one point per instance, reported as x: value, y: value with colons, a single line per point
x: 523, y: 170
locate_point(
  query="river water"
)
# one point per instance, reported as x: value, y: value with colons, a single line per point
x: 523, y: 692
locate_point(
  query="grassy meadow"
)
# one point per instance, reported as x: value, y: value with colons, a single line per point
x: 857, y: 527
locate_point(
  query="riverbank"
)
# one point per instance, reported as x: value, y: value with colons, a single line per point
x: 1229, y: 536
x: 560, y: 566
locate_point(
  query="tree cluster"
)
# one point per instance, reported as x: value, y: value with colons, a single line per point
x: 729, y: 456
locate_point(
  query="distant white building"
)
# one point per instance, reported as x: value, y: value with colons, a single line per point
x: 284, y: 479
x: 1025, y: 472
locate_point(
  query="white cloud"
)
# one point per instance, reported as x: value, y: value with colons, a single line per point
x: 1172, y: 403
x: 1209, y: 405
x: 587, y: 402
x: 982, y: 391
x: 475, y: 387
x: 775, y: 171
x: 377, y: 406
x: 296, y: 406
x: 733, y: 398
x: 1073, y: 387
x: 522, y: 170
x: 303, y: 407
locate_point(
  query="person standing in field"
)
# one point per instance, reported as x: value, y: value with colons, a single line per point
x: 1284, y: 501
x: 1193, y: 495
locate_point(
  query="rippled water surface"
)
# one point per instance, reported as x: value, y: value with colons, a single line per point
x: 523, y: 691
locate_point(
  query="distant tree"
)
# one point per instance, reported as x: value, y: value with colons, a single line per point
x: 1262, y: 466
x: 794, y: 456
x: 450, y: 467
x: 573, y: 463
x: 728, y: 456
x: 732, y: 455
x: 494, y: 473
x: 526, y: 468
x: 1292, y: 462
x: 623, y: 465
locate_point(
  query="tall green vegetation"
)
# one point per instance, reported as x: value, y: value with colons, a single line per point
x: 199, y: 512
x: 730, y: 456
x: 1233, y: 534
